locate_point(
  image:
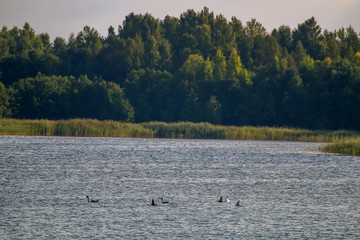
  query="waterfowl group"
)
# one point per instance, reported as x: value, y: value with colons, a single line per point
x: 222, y: 200
x: 238, y: 203
x: 153, y: 203
x: 162, y: 201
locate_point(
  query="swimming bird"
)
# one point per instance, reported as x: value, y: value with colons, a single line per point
x: 221, y: 199
x: 227, y: 200
x: 238, y: 204
x: 92, y: 200
x: 162, y: 201
x: 153, y: 202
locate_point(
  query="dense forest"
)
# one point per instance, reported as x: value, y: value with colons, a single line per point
x: 199, y: 67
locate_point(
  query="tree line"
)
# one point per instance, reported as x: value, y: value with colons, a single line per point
x: 199, y: 67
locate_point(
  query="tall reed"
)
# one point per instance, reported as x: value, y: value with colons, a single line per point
x: 206, y: 130
x: 26, y: 127
x: 349, y: 147
x: 344, y: 142
x: 73, y: 127
x: 95, y: 128
x: 186, y: 130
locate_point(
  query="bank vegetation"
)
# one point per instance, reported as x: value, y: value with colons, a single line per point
x: 341, y: 141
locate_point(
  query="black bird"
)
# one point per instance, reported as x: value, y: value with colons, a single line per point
x: 164, y: 202
x: 153, y: 202
x: 92, y: 200
x: 221, y: 199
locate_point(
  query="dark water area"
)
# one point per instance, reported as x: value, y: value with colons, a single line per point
x: 288, y: 190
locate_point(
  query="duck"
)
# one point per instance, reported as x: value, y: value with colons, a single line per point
x: 153, y: 202
x: 163, y: 201
x: 97, y: 200
x: 238, y: 204
x: 221, y: 199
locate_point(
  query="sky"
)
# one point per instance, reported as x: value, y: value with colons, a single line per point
x: 60, y: 18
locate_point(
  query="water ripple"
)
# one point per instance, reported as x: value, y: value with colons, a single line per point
x: 288, y: 190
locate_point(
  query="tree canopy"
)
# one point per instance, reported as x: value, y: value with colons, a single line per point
x: 198, y: 67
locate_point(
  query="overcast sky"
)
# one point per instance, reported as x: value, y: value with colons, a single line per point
x: 63, y: 17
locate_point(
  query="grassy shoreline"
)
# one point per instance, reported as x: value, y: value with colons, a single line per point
x: 73, y: 128
x: 350, y: 147
x: 342, y: 141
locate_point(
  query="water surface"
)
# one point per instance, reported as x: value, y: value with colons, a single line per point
x: 288, y: 190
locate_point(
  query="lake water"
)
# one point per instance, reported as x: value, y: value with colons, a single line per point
x: 288, y: 190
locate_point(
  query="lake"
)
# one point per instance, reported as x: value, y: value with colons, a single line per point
x: 288, y: 190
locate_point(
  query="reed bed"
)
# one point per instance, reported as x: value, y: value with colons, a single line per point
x: 343, y: 142
x: 26, y: 127
x: 189, y: 130
x: 96, y: 128
x: 210, y: 131
x: 349, y: 147
x: 73, y: 127
x: 186, y: 130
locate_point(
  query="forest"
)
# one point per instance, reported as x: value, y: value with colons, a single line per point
x: 199, y: 67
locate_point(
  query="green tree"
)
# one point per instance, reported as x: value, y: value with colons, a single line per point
x: 356, y: 59
x: 219, y: 67
x: 170, y: 28
x: 190, y: 106
x: 235, y: 70
x: 57, y: 97
x: 202, y: 39
x: 5, y: 42
x: 246, y: 41
x: 299, y: 53
x: 119, y: 57
x: 83, y: 52
x: 198, y: 67
x: 41, y: 97
x: 98, y: 99
x: 223, y: 34
x: 24, y: 54
x: 140, y: 25
x: 112, y: 61
x: 330, y: 47
x: 309, y: 33
x: 134, y: 53
x: 112, y: 103
x: 166, y: 55
x: 5, y: 110
x: 152, y: 93
x: 196, y: 76
x: 152, y: 54
x: 265, y: 50
x: 213, y: 110
x: 234, y: 64
x: 194, y: 69
x: 283, y: 36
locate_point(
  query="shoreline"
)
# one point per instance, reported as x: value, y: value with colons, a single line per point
x: 340, y: 141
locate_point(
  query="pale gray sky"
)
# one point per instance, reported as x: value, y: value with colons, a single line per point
x: 63, y: 17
